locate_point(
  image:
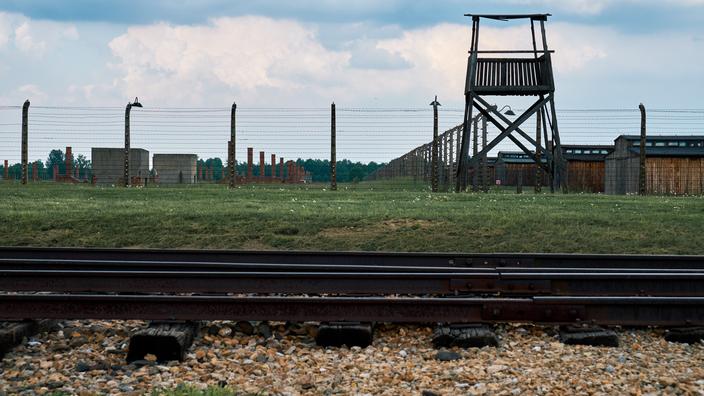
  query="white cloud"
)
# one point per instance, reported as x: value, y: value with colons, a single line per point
x: 26, y: 42
x: 34, y: 37
x: 263, y: 61
x: 5, y: 28
x: 242, y: 54
x: 596, y: 7
x: 33, y: 92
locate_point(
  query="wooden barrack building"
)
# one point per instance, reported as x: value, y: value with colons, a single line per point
x: 516, y: 167
x: 586, y: 166
x: 674, y: 165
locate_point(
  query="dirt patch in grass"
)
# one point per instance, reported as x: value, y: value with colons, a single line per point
x: 255, y: 244
x: 414, y: 224
x: 379, y: 228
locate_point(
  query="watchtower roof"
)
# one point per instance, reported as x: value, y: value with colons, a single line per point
x: 506, y: 17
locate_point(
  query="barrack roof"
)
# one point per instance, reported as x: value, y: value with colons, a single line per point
x: 506, y: 17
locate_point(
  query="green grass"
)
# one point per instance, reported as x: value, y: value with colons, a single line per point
x: 371, y: 216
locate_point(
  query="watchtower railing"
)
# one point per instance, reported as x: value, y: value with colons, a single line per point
x: 513, y: 76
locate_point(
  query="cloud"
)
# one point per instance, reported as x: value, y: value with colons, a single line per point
x: 268, y: 60
x: 34, y: 37
x: 596, y: 7
x: 26, y: 42
x: 366, y: 54
x: 243, y: 54
x: 265, y: 61
x: 34, y: 92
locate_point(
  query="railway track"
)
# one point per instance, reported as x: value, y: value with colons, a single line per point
x: 384, y: 259
x: 503, y: 282
x: 317, y: 286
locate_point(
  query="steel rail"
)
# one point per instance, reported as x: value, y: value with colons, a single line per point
x: 381, y: 283
x: 524, y: 260
x: 630, y: 311
x: 144, y: 265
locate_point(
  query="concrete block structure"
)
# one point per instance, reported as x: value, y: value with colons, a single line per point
x: 176, y: 168
x: 109, y: 164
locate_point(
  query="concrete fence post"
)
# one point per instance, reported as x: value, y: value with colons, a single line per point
x: 642, y: 169
x: 25, y: 139
x: 434, y: 166
x: 475, y: 151
x: 519, y: 182
x: 451, y: 165
x: 126, y: 171
x: 333, y: 148
x: 35, y: 172
x: 232, y: 146
x: 6, y: 172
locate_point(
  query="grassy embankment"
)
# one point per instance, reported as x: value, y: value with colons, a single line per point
x: 358, y: 217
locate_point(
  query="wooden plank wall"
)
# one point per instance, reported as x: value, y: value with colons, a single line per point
x: 678, y: 176
x: 509, y: 174
x: 586, y: 176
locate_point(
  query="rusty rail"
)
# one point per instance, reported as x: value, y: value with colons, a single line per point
x: 497, y: 281
x: 435, y: 287
x: 454, y: 260
x: 632, y: 311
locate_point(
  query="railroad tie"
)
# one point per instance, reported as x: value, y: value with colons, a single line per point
x: 686, y: 335
x: 464, y: 336
x: 345, y: 333
x: 589, y: 335
x: 165, y: 340
x: 12, y: 333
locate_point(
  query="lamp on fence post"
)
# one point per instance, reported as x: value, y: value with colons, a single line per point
x: 127, y: 139
x: 508, y: 112
x: 434, y: 160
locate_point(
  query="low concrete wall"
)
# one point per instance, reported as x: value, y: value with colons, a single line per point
x: 109, y: 164
x: 176, y: 168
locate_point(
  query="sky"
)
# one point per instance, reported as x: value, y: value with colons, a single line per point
x: 396, y: 53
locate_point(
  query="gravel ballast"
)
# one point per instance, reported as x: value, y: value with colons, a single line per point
x: 88, y: 357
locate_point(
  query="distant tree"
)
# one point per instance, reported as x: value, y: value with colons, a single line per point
x: 347, y: 171
x: 217, y: 166
x: 85, y: 167
x: 56, y: 157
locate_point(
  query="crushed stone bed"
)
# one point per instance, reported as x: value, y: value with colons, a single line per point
x: 88, y: 357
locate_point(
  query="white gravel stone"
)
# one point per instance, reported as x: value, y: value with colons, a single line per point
x: 401, y: 361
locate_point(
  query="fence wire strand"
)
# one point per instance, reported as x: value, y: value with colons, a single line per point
x: 192, y: 142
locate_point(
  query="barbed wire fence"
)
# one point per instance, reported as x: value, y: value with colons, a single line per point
x: 601, y: 147
x: 380, y: 147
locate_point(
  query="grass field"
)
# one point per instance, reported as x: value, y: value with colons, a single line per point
x: 357, y: 217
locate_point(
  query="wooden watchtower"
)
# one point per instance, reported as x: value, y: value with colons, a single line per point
x: 513, y: 73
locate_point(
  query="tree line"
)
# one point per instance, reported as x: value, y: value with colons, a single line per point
x: 45, y: 169
x: 347, y: 171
